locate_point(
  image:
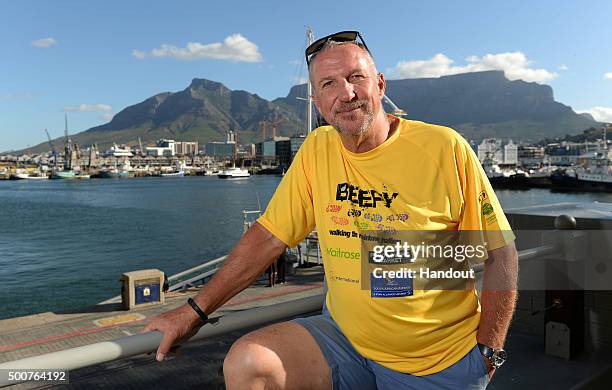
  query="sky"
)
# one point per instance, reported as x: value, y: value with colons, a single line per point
x: 91, y: 59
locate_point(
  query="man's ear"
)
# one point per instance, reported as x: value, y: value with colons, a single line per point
x: 382, y: 84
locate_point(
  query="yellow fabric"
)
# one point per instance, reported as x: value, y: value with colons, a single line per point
x: 439, y: 185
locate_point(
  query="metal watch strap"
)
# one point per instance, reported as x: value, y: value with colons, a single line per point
x: 497, y: 357
x: 197, y: 309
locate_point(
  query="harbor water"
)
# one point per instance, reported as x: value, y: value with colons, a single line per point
x: 65, y: 244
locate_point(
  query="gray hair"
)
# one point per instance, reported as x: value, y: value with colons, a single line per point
x: 329, y: 44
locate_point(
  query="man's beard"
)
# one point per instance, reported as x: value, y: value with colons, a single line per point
x: 354, y: 129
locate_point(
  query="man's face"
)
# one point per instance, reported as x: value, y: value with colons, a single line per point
x: 347, y: 90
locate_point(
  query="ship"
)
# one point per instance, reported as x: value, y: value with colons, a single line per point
x: 234, y: 173
x: 594, y: 175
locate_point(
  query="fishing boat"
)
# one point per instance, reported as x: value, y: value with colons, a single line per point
x: 28, y: 176
x: 118, y: 171
x: 68, y: 175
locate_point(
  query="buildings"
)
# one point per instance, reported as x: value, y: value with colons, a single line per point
x: 170, y: 147
x: 186, y: 148
x: 278, y: 151
x: 493, y: 148
x: 222, y: 150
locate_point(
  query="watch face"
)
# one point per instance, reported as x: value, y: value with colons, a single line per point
x: 498, y: 358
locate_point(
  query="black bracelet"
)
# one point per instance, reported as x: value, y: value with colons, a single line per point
x: 197, y: 309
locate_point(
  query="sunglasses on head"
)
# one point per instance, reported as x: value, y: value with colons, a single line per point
x: 342, y: 36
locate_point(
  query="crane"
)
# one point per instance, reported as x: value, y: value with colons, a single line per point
x: 263, y: 125
x: 53, y: 151
x: 140, y: 144
x: 275, y: 125
x: 396, y: 110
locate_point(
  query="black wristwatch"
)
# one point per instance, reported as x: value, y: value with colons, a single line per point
x: 497, y: 357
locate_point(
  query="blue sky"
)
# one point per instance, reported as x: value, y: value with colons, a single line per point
x: 92, y: 59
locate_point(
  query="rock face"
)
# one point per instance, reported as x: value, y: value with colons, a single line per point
x: 204, y: 111
x: 480, y: 104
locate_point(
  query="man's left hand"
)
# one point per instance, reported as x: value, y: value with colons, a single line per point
x: 490, y: 369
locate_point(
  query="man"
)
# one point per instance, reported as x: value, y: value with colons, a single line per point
x: 367, y: 171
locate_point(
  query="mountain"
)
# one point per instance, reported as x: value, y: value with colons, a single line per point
x: 480, y: 105
x: 204, y: 111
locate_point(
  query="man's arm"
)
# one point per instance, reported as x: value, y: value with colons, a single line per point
x: 250, y: 257
x: 498, y: 296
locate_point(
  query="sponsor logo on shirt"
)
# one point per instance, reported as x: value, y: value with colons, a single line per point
x: 364, y: 197
x: 337, y: 252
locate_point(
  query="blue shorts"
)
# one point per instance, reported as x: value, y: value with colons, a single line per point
x: 350, y: 370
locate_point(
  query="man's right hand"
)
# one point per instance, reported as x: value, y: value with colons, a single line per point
x: 177, y: 325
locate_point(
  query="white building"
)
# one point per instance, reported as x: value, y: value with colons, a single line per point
x: 164, y: 147
x: 494, y: 149
x: 511, y: 153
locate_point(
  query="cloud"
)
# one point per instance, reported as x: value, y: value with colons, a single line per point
x: 601, y: 114
x: 563, y: 67
x: 106, y: 116
x: 608, y: 75
x: 141, y: 55
x: 16, y: 96
x: 89, y: 108
x: 44, y: 43
x: 515, y: 66
x: 235, y: 48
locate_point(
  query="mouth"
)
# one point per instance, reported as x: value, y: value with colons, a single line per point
x: 349, y: 110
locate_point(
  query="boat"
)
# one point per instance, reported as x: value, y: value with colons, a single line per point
x: 234, y: 173
x: 504, y: 178
x: 118, y: 151
x: 68, y: 175
x: 28, y: 176
x: 123, y: 170
x: 540, y: 177
x: 172, y: 174
x: 594, y: 175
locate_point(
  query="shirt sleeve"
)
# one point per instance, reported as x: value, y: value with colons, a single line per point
x: 481, y: 209
x: 290, y: 213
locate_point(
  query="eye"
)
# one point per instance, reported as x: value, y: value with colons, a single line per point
x: 326, y: 84
x: 357, y: 77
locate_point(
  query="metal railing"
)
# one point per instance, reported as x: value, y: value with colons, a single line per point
x: 89, y: 355
x: 210, y: 268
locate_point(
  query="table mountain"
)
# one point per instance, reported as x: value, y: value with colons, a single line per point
x: 480, y: 104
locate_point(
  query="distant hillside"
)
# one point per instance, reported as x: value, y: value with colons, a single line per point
x: 480, y: 105
x: 203, y: 112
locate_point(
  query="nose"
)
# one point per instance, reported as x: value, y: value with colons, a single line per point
x: 346, y: 91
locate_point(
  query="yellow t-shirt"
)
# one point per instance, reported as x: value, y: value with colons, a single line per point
x: 424, y: 177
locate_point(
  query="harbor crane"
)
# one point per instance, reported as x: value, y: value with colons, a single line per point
x: 142, y: 153
x: 263, y: 125
x: 53, y: 151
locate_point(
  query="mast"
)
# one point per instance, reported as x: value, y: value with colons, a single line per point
x: 310, y: 36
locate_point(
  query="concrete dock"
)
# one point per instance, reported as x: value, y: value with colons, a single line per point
x: 198, y: 365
